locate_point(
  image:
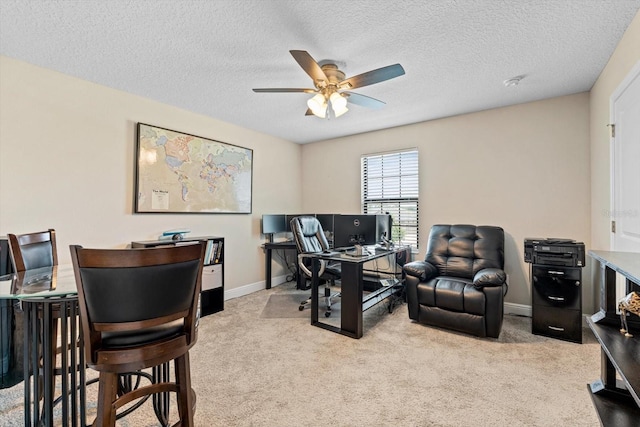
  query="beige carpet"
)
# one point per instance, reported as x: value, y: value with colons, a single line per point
x: 248, y: 370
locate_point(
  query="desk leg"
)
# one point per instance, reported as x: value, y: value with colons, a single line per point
x: 267, y: 267
x: 314, y: 290
x: 607, y: 371
x: 351, y: 299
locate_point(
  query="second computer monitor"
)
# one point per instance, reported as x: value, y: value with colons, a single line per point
x: 273, y: 224
x: 350, y: 230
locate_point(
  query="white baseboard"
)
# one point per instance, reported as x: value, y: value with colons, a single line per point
x: 252, y: 287
x: 517, y: 309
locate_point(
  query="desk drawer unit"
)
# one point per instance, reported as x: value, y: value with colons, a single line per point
x: 557, y: 302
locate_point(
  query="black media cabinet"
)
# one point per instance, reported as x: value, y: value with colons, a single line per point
x: 212, y: 294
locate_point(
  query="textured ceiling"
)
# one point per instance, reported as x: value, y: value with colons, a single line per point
x: 206, y: 56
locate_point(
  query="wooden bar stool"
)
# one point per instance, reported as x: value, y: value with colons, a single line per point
x: 138, y: 310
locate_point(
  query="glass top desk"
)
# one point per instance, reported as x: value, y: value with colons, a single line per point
x: 48, y: 297
x: 353, y: 302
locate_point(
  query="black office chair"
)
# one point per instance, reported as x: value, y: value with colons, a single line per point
x: 310, y: 238
x: 138, y: 309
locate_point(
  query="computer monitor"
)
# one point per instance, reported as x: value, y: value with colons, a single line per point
x: 350, y: 230
x: 272, y: 224
x: 383, y: 226
x: 326, y: 221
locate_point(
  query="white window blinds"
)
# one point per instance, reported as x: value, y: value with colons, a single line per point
x: 390, y: 185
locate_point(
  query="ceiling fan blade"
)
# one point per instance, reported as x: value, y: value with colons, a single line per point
x: 309, y: 112
x: 280, y: 90
x: 309, y: 65
x: 372, y: 77
x: 364, y: 101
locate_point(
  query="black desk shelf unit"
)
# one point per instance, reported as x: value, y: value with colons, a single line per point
x: 212, y: 294
x: 616, y: 395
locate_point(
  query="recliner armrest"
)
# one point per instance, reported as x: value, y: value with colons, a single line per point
x: 489, y: 277
x: 421, y: 269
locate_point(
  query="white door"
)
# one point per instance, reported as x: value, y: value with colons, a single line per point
x: 625, y: 165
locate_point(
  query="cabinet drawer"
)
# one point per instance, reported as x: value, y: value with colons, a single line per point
x: 557, y: 287
x: 211, y: 277
x: 557, y: 322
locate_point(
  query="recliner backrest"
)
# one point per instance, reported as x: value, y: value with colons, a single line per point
x: 308, y: 234
x: 462, y: 250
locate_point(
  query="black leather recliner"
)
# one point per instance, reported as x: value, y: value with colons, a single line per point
x: 461, y: 284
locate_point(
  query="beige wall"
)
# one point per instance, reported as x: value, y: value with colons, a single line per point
x: 67, y: 162
x: 524, y: 168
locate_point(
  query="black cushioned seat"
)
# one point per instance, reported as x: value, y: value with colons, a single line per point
x: 461, y: 283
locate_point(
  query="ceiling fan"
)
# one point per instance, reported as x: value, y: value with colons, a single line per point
x: 331, y: 87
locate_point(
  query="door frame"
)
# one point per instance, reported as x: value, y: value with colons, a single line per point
x: 631, y: 75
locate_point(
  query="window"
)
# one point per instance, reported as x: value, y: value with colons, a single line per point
x: 390, y: 185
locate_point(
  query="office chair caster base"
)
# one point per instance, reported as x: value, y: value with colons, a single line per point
x: 301, y: 308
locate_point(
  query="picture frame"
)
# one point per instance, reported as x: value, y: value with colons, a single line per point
x: 177, y: 172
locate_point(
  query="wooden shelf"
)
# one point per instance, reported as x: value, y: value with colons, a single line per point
x: 616, y: 395
x: 624, y: 354
x: 614, y: 409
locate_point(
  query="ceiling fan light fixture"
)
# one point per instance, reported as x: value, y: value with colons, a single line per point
x: 339, y: 112
x: 328, y: 80
x: 338, y: 101
x: 318, y: 105
x: 338, y: 104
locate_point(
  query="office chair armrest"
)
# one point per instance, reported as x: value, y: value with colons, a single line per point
x: 489, y: 277
x: 304, y: 268
x: 421, y: 269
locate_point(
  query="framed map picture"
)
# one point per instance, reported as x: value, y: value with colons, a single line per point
x: 181, y: 173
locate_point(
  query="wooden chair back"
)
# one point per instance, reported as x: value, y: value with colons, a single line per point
x: 33, y: 250
x: 137, y: 298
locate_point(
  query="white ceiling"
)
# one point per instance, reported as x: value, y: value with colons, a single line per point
x: 206, y: 56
